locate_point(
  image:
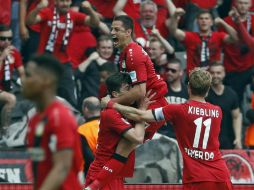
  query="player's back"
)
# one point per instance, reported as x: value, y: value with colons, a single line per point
x: 197, y: 127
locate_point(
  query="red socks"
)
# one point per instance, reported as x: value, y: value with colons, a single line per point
x: 109, y: 171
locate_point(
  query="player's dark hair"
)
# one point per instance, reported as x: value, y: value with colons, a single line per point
x: 4, y: 28
x: 115, y: 81
x: 205, y: 11
x: 49, y: 63
x: 108, y: 66
x: 127, y: 22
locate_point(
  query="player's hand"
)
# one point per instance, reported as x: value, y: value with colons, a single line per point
x: 104, y: 101
x: 43, y: 4
x: 179, y: 12
x: 147, y: 100
x: 238, y: 144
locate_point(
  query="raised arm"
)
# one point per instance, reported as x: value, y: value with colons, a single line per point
x: 231, y: 36
x: 171, y: 7
x: 33, y: 16
x: 169, y: 49
x: 119, y: 6
x: 22, y: 20
x: 93, y: 18
x: 173, y: 25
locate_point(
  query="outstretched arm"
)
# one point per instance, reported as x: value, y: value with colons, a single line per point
x: 173, y: 25
x: 93, y: 18
x: 33, y: 17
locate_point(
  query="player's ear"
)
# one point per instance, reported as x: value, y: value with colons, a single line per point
x: 115, y: 94
x: 129, y: 31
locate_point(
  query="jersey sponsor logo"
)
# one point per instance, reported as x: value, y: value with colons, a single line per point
x: 203, y: 112
x: 198, y: 154
x: 108, y: 169
x: 133, y: 76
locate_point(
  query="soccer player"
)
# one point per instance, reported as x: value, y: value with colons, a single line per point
x: 52, y: 135
x: 197, y: 127
x: 113, y: 127
x: 136, y: 62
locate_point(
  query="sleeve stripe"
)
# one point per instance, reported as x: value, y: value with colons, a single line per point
x: 158, y: 114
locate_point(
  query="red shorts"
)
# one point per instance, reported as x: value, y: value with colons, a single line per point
x: 116, y: 183
x: 208, y: 185
x: 154, y: 126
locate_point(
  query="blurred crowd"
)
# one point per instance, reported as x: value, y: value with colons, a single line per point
x: 178, y: 35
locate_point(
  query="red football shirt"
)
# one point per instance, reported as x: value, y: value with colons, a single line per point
x: 15, y: 62
x: 60, y: 132
x: 46, y: 25
x: 234, y: 60
x: 112, y: 126
x: 205, y: 4
x: 193, y: 44
x: 78, y: 47
x: 5, y: 12
x: 32, y: 5
x: 135, y: 61
x: 197, y: 127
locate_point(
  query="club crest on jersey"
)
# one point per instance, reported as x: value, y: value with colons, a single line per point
x: 133, y: 76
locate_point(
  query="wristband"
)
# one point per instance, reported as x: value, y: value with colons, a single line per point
x: 110, y: 104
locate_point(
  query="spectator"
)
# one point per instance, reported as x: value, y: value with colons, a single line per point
x: 30, y: 35
x: 159, y: 50
x: 88, y: 75
x: 177, y: 90
x: 10, y: 59
x: 148, y: 19
x: 55, y: 37
x: 238, y: 59
x: 205, y: 46
x: 226, y: 98
x: 52, y: 130
x: 89, y: 130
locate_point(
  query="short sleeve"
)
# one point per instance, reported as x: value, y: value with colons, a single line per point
x: 190, y: 38
x: 45, y: 14
x: 79, y: 18
x: 62, y: 127
x: 118, y: 124
x: 136, y: 59
x: 18, y: 59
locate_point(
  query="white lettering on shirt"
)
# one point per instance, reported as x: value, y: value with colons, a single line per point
x: 198, y: 154
x: 203, y: 111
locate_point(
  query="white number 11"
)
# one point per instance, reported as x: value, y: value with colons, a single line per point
x: 198, y: 122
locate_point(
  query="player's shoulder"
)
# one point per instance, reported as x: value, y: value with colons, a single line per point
x: 110, y: 113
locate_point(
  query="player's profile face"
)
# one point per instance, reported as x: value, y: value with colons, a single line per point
x: 32, y: 82
x: 118, y: 33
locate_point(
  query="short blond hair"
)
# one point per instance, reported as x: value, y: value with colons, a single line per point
x: 199, y: 81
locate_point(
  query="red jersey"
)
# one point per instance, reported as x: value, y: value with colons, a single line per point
x: 234, y: 59
x: 205, y: 4
x: 46, y: 25
x: 60, y: 132
x: 78, y: 47
x: 193, y: 43
x: 135, y: 61
x: 31, y: 5
x: 112, y: 126
x: 15, y: 62
x: 5, y: 12
x: 104, y: 7
x: 197, y: 128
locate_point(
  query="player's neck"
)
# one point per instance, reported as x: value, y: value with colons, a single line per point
x: 197, y: 98
x: 127, y: 42
x: 45, y: 101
